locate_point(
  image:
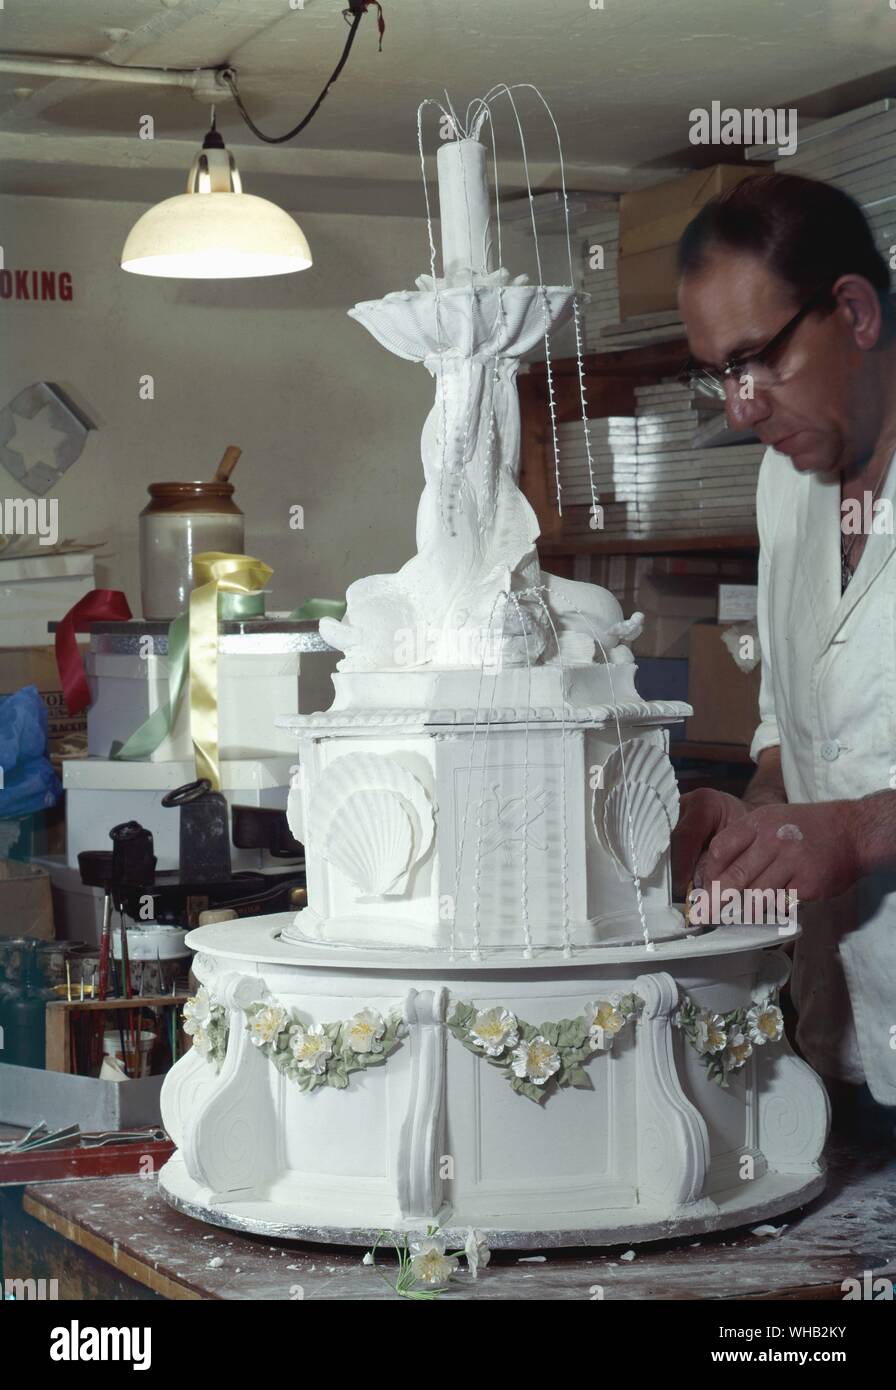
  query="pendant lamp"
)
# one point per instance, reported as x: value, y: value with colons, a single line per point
x: 215, y: 231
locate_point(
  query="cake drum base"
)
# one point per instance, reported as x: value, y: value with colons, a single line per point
x: 258, y: 1219
x: 655, y: 1150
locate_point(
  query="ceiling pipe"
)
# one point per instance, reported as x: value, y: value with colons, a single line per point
x: 204, y: 83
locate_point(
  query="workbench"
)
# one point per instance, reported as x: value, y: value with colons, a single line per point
x: 116, y: 1237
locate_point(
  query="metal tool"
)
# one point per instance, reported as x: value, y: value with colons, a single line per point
x: 204, y: 831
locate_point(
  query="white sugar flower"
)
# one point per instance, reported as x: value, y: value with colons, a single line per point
x: 197, y: 1011
x: 765, y: 1023
x: 738, y: 1050
x: 604, y: 1020
x: 266, y: 1024
x: 494, y: 1030
x: 477, y: 1251
x: 363, y: 1032
x: 430, y: 1263
x: 710, y: 1032
x: 536, y: 1060
x: 311, y: 1048
x: 201, y: 1040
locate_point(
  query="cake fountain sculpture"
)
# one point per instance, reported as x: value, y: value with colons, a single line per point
x: 490, y: 1014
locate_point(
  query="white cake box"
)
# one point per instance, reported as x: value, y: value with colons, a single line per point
x: 40, y: 589
x: 252, y: 691
x: 267, y: 668
x: 101, y: 793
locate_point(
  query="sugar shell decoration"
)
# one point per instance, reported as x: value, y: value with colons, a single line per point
x: 636, y: 828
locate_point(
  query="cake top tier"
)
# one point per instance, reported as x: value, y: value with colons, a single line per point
x: 474, y: 598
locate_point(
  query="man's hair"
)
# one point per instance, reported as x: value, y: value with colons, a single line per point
x: 807, y: 232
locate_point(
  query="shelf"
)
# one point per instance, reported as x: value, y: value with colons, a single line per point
x: 747, y: 542
x: 666, y: 357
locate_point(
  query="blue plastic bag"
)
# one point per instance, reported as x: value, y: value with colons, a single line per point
x: 29, y: 783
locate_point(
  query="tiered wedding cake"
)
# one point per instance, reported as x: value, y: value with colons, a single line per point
x: 490, y: 1014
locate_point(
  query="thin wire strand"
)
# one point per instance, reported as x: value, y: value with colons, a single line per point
x: 648, y: 944
x: 440, y: 373
x: 502, y: 89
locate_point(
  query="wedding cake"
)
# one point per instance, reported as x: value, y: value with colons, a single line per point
x: 490, y: 1013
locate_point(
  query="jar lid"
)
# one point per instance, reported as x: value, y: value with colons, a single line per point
x: 199, y: 496
x: 213, y: 488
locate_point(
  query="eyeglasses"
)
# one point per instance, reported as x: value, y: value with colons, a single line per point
x: 757, y: 364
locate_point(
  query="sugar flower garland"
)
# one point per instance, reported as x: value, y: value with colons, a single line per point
x: 206, y: 1023
x: 323, y: 1054
x: 538, y: 1060
x: 535, y: 1060
x: 725, y: 1042
x: 310, y: 1054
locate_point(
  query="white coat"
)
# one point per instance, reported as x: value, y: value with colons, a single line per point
x: 828, y: 697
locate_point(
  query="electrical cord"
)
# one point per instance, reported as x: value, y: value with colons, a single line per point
x: 353, y: 16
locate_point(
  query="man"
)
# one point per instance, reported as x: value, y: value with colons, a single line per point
x: 786, y: 304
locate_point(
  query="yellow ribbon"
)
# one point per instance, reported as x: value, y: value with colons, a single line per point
x: 214, y: 572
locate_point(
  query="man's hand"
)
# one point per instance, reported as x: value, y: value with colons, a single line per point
x: 813, y: 849
x: 703, y: 814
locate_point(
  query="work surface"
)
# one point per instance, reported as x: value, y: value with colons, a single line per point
x: 124, y: 1222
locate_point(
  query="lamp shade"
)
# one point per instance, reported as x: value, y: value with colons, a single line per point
x: 210, y: 236
x: 215, y: 231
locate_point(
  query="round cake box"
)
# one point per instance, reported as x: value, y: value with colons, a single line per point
x: 646, y: 1144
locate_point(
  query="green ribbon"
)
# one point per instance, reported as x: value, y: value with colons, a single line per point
x: 235, y: 608
x: 314, y: 608
x: 152, y: 731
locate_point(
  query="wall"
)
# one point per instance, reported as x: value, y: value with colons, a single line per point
x: 326, y: 418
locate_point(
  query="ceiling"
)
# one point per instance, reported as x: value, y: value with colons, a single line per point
x: 620, y: 80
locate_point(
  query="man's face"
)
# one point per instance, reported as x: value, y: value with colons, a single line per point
x: 811, y: 408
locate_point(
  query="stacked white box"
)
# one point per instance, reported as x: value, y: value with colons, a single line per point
x: 855, y: 151
x: 101, y: 793
x: 39, y: 589
x: 261, y: 672
x: 650, y: 476
x: 252, y: 692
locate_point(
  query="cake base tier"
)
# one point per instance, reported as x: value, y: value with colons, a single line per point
x: 646, y: 1146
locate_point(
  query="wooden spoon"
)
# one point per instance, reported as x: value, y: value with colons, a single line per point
x: 228, y: 463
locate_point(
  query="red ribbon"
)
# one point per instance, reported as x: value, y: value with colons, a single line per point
x: 100, y: 605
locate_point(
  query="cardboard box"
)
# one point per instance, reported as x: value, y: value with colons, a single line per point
x: 671, y: 604
x: 660, y: 679
x: 651, y: 221
x: 37, y: 666
x: 26, y: 902
x: 725, y: 699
